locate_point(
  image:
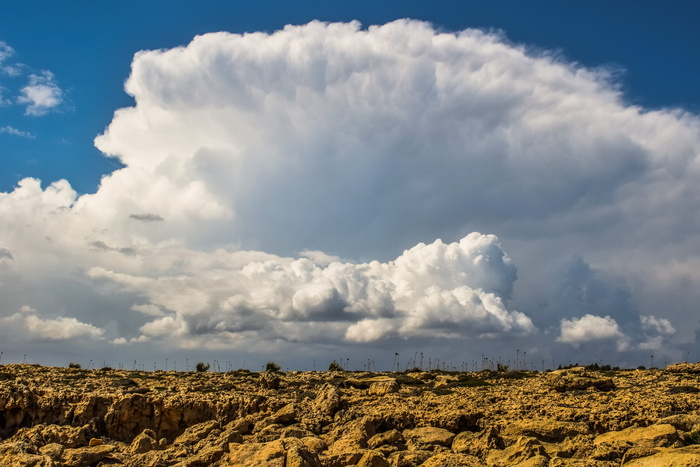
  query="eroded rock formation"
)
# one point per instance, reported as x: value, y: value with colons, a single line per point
x: 55, y: 417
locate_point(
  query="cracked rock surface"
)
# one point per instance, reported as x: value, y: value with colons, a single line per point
x: 58, y: 417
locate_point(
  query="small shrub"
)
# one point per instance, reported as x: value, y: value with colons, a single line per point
x: 74, y: 365
x: 202, y: 367
x: 466, y: 381
x: 408, y: 380
x: 335, y: 366
x: 272, y: 366
x: 694, y: 437
x: 501, y: 368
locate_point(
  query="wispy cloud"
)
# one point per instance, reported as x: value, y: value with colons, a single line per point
x: 15, y: 132
x: 42, y: 95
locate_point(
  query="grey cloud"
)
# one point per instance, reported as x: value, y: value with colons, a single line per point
x: 146, y: 217
x: 5, y: 254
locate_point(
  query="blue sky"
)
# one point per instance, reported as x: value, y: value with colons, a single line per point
x: 89, y: 47
x: 272, y: 180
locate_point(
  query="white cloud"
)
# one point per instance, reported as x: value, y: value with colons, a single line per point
x: 15, y: 132
x: 343, y: 142
x: 656, y: 325
x: 42, y: 95
x: 448, y: 289
x: 27, y: 325
x: 591, y: 328
x: 6, y: 52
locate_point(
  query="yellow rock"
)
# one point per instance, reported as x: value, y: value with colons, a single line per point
x: 95, y: 442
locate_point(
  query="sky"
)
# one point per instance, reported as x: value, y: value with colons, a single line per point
x: 367, y: 182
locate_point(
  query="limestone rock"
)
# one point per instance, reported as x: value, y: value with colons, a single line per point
x: 388, y: 437
x: 95, y: 442
x: 81, y: 457
x: 684, y: 422
x: 269, y: 380
x: 327, y: 400
x: 289, y: 452
x: 566, y: 462
x: 516, y: 454
x: 683, y: 457
x: 637, y: 452
x: 196, y: 433
x: 448, y: 459
x: 68, y: 436
x: 578, y: 379
x: 409, y: 458
x: 286, y: 415
x: 688, y: 368
x: 48, y: 417
x: 20, y: 454
x: 613, y: 450
x: 381, y: 388
x: 544, y: 430
x: 314, y: 444
x: 53, y: 451
x: 144, y: 442
x: 651, y: 436
x: 427, y: 438
x: 477, y: 444
x: 372, y: 459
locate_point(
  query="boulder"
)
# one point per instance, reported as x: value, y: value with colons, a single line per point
x: 288, y: 452
x: 409, y: 458
x: 651, y: 436
x: 477, y: 444
x: 196, y: 433
x: 428, y: 438
x: 381, y: 388
x: 682, y: 457
x: 387, y: 437
x: 144, y: 442
x: 577, y: 379
x: 81, y: 457
x: 683, y: 422
x: 327, y: 400
x: 372, y: 459
x: 20, y: 454
x: 269, y: 380
x: 68, y: 436
x: 516, y: 454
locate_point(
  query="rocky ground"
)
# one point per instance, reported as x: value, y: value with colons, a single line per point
x: 575, y: 417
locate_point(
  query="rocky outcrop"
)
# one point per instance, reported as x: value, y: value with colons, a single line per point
x: 53, y: 417
x: 578, y: 379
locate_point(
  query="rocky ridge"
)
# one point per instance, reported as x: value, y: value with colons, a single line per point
x: 57, y: 417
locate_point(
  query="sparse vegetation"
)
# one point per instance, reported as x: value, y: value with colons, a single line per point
x: 272, y: 366
x: 694, y: 437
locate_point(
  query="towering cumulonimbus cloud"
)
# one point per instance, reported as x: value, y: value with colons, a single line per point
x: 335, y: 141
